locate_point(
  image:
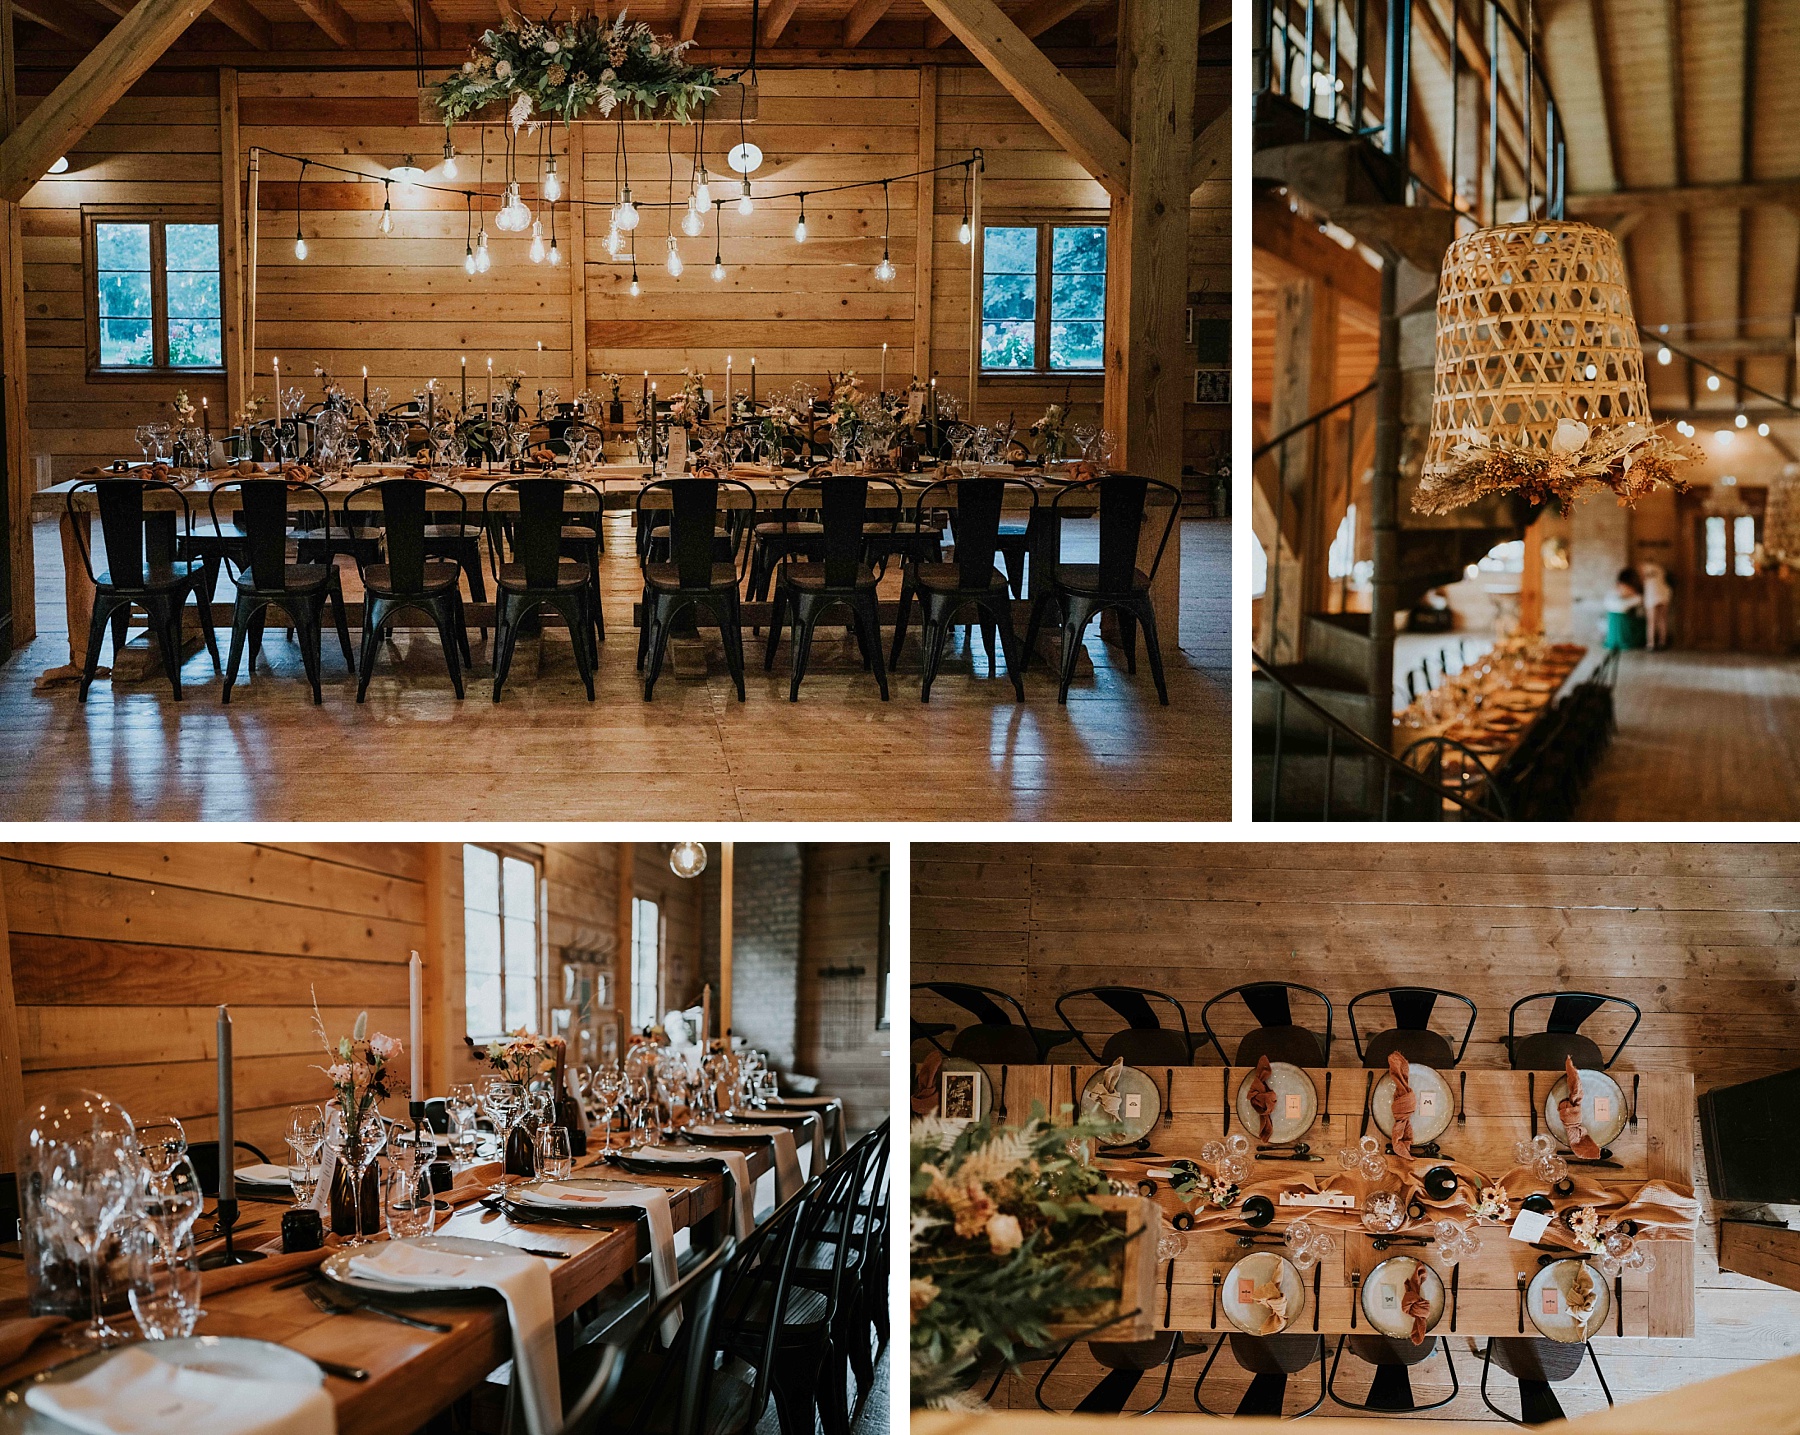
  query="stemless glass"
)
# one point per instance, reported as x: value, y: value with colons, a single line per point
x: 90, y: 1188
x: 407, y: 1196
x: 554, y: 1161
x: 164, y: 1290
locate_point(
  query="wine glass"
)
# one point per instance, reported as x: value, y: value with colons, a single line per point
x: 90, y: 1188
x: 554, y: 1161
x: 169, y: 1201
x: 407, y: 1196
x: 162, y: 1143
x: 357, y: 1155
x: 503, y: 1102
x: 606, y: 1087
x: 164, y: 1289
x: 145, y: 434
x: 1099, y: 450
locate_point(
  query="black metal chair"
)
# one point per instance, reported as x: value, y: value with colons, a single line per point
x: 142, y: 570
x: 1276, y: 1035
x: 1126, y: 1363
x: 1411, y: 1034
x: 538, y: 575
x: 970, y: 580
x: 828, y: 571
x: 1393, y: 1361
x: 408, y: 579
x: 1537, y: 1364
x: 1270, y: 1360
x: 694, y: 577
x: 264, y: 578
x: 1082, y: 591
x: 995, y: 1036
x: 1562, y: 1036
x: 205, y: 1157
x: 1145, y: 1040
x: 1457, y: 766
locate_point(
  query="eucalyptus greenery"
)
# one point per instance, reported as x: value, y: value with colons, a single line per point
x: 1007, y: 1241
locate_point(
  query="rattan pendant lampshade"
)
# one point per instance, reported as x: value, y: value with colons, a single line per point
x: 1781, y: 518
x: 1539, y: 382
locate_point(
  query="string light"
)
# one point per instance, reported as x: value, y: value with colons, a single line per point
x: 800, y: 223
x: 625, y: 216
x: 746, y: 205
x: 468, y: 233
x: 702, y: 190
x: 1712, y: 383
x: 555, y: 253
x: 387, y: 208
x: 718, y: 269
x: 884, y: 271
x: 614, y: 240
x: 514, y: 216
x: 1663, y: 356
x: 963, y: 233
x: 691, y: 222
x: 537, y: 241
x: 299, y: 238
x: 674, y: 259
x: 449, y: 156
x: 483, y: 260
x: 551, y: 188
x: 1762, y: 430
x: 1742, y: 422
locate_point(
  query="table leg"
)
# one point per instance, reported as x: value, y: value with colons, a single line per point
x: 78, y: 603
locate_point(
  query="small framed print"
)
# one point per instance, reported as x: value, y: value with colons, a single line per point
x: 959, y: 1095
x: 1212, y: 386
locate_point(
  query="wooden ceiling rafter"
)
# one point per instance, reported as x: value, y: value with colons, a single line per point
x: 690, y: 19
x: 861, y: 18
x: 430, y: 32
x: 60, y: 20
x: 332, y: 18
x: 776, y: 20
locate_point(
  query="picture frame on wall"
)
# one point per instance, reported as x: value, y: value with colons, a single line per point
x: 1212, y: 386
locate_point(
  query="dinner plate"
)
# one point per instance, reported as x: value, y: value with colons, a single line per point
x: 227, y: 1355
x: 1602, y: 1107
x: 1258, y: 1269
x: 1139, y: 1102
x: 1386, y: 1284
x: 1436, y: 1105
x: 336, y: 1267
x: 263, y: 1177
x: 1547, y: 1303
x: 523, y: 1195
x: 1296, y: 1104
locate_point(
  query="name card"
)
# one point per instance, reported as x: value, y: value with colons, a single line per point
x: 1428, y: 1101
x: 1246, y: 1290
x: 1293, y: 1106
x: 1134, y: 1104
x: 1602, y: 1108
x: 1319, y: 1200
x: 1390, y: 1297
x: 1529, y: 1226
x: 915, y: 406
x: 1550, y: 1306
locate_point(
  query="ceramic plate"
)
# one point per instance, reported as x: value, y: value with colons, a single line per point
x: 263, y: 1177
x: 215, y: 1354
x: 1436, y: 1105
x: 1296, y: 1104
x: 1258, y: 1269
x: 1139, y: 1105
x: 1383, y: 1287
x: 529, y: 1195
x: 336, y: 1267
x: 1602, y: 1107
x: 1547, y: 1303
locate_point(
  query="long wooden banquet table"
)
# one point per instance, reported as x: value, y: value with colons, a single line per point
x: 413, y: 1374
x: 620, y: 486
x: 1655, y: 1156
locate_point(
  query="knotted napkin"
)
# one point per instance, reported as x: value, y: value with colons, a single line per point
x: 1583, y: 1297
x: 134, y: 1393
x: 1262, y: 1097
x: 1412, y: 1299
x: 1568, y: 1111
x: 1109, y: 1098
x: 1406, y: 1101
x: 925, y: 1084
x: 1275, y: 1298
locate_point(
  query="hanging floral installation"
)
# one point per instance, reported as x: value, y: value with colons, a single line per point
x: 540, y: 69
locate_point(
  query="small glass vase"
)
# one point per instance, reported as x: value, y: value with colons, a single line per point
x: 346, y: 1218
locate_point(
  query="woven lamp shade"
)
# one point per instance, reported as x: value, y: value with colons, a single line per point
x: 1781, y: 519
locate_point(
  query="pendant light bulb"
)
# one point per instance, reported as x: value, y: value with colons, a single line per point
x: 702, y: 191
x: 468, y: 260
x: 555, y: 253
x: 800, y: 223
x: 626, y: 216
x: 552, y: 186
x: 885, y: 271
x: 746, y: 205
x: 691, y: 223
x: 483, y: 260
x: 299, y: 247
x: 537, y: 241
x: 963, y: 235
x: 634, y: 288
x: 387, y: 220
x: 614, y: 243
x: 674, y: 259
x: 449, y: 158
x: 718, y: 272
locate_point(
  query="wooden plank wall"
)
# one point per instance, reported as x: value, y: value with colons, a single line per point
x: 679, y: 899
x: 841, y: 927
x: 1704, y: 937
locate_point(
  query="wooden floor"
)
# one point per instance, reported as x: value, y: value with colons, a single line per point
x: 1702, y: 936
x: 412, y: 752
x: 1702, y: 737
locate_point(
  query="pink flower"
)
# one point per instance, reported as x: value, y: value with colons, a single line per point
x: 384, y: 1046
x: 339, y: 1074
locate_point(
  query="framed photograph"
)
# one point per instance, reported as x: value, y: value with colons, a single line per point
x: 1212, y: 386
x: 959, y: 1097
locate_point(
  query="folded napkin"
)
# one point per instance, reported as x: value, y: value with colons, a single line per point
x: 1262, y: 1097
x: 1583, y: 1298
x: 134, y: 1393
x: 524, y: 1283
x: 1109, y: 1098
x: 1568, y: 1111
x: 653, y: 1201
x: 787, y: 1154
x: 743, y: 1189
x: 925, y: 1084
x: 833, y: 1106
x: 815, y: 1133
x: 1275, y: 1298
x: 1413, y: 1302
x: 1406, y: 1101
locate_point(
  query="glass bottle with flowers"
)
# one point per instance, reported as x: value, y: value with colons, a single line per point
x: 521, y: 1056
x: 363, y: 1073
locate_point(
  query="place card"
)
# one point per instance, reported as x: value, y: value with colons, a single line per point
x: 1134, y: 1104
x: 1550, y: 1306
x: 1293, y: 1106
x: 1246, y: 1290
x: 1428, y: 1101
x: 1602, y: 1109
x: 1529, y: 1226
x: 1390, y: 1297
x: 1318, y: 1200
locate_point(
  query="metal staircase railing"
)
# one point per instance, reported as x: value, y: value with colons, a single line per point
x: 1419, y: 798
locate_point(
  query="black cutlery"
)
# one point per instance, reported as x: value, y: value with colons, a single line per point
x: 1218, y: 1280
x: 343, y: 1372
x: 1619, y: 1304
x: 1455, y: 1291
x: 1522, y: 1282
x: 1326, y: 1118
x: 1286, y: 1156
x: 1381, y: 1243
x: 1569, y: 1160
x: 1225, y: 1096
x: 1169, y: 1097
x: 1634, y: 1086
x: 1000, y: 1106
x: 1318, y: 1270
x: 1531, y: 1101
x: 1462, y: 1098
x: 1169, y: 1292
x: 1355, y: 1295
x: 1074, y: 1094
x: 341, y: 1303
x: 547, y: 1255
x: 1368, y: 1096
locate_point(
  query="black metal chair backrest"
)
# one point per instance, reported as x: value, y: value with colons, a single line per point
x: 264, y: 505
x: 1270, y: 1005
x: 1568, y: 1011
x: 136, y: 533
x: 975, y: 505
x: 842, y: 503
x: 1412, y: 1008
x: 403, y: 507
x: 1124, y: 505
x: 995, y: 1035
x: 1145, y: 1039
x: 693, y: 519
x: 205, y: 1158
x: 765, y: 1260
x: 537, y: 532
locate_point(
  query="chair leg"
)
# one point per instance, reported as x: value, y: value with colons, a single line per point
x: 309, y: 622
x: 446, y: 609
x: 504, y: 636
x: 1153, y: 649
x: 659, y: 640
x: 1077, y: 614
x: 343, y: 625
x: 646, y: 606
x: 731, y: 633
x: 1128, y: 638
x: 806, y: 618
x: 258, y: 621
x: 573, y: 608
x: 1009, y: 644
x: 987, y: 642
x: 868, y: 618
x: 165, y: 626
x: 775, y: 621
x: 371, y: 641
x: 932, y: 635
x: 203, y: 601
x: 97, y: 624
x: 461, y: 626
x: 240, y: 622
x: 901, y: 615
x: 1033, y: 628
x: 121, y: 629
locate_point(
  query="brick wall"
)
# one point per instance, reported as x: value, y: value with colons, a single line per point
x: 765, y: 943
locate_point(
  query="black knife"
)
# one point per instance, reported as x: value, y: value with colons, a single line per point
x: 1318, y: 1270
x: 1455, y: 1290
x: 343, y: 1372
x: 1355, y: 1295
x: 1619, y: 1303
x: 1225, y: 1096
x: 1169, y: 1292
x: 1531, y: 1100
x: 1213, y: 1320
x: 1001, y: 1112
x: 1368, y: 1095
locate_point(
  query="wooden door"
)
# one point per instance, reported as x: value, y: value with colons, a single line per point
x: 1723, y: 601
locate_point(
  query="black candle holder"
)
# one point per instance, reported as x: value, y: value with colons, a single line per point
x: 227, y: 1216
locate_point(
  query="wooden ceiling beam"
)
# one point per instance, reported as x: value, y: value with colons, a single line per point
x: 1686, y: 197
x: 1048, y: 95
x: 779, y: 14
x: 1212, y: 149
x: 690, y: 19
x: 430, y: 32
x: 861, y: 19
x: 1214, y: 15
x: 241, y: 16
x: 61, y: 20
x: 330, y: 17
x: 105, y: 73
x: 1041, y: 15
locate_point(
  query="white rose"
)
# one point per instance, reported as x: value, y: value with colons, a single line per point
x: 551, y: 47
x: 1571, y: 434
x: 468, y: 67
x: 1003, y: 1233
x: 503, y: 69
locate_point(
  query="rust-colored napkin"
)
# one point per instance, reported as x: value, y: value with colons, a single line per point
x: 18, y: 1336
x: 925, y: 1084
x: 1413, y: 1302
x: 1262, y: 1096
x: 1568, y: 1110
x: 1275, y: 1298
x: 1406, y: 1101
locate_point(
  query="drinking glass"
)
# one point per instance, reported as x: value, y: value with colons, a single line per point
x: 90, y: 1188
x: 357, y: 1155
x: 303, y: 1175
x: 407, y: 1196
x: 306, y: 1130
x: 164, y: 1290
x: 606, y: 1087
x: 162, y: 1143
x: 1383, y: 1212
x: 503, y: 1102
x: 1365, y: 1158
x: 145, y: 434
x: 169, y: 1202
x: 1307, y: 1244
x: 554, y: 1161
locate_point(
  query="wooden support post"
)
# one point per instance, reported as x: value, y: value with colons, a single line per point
x: 1147, y: 249
x: 727, y: 874
x: 250, y: 221
x: 575, y: 187
x: 977, y: 250
x: 18, y: 578
x: 445, y: 998
x: 925, y: 251
x: 627, y: 889
x: 231, y: 246
x: 12, y: 1088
